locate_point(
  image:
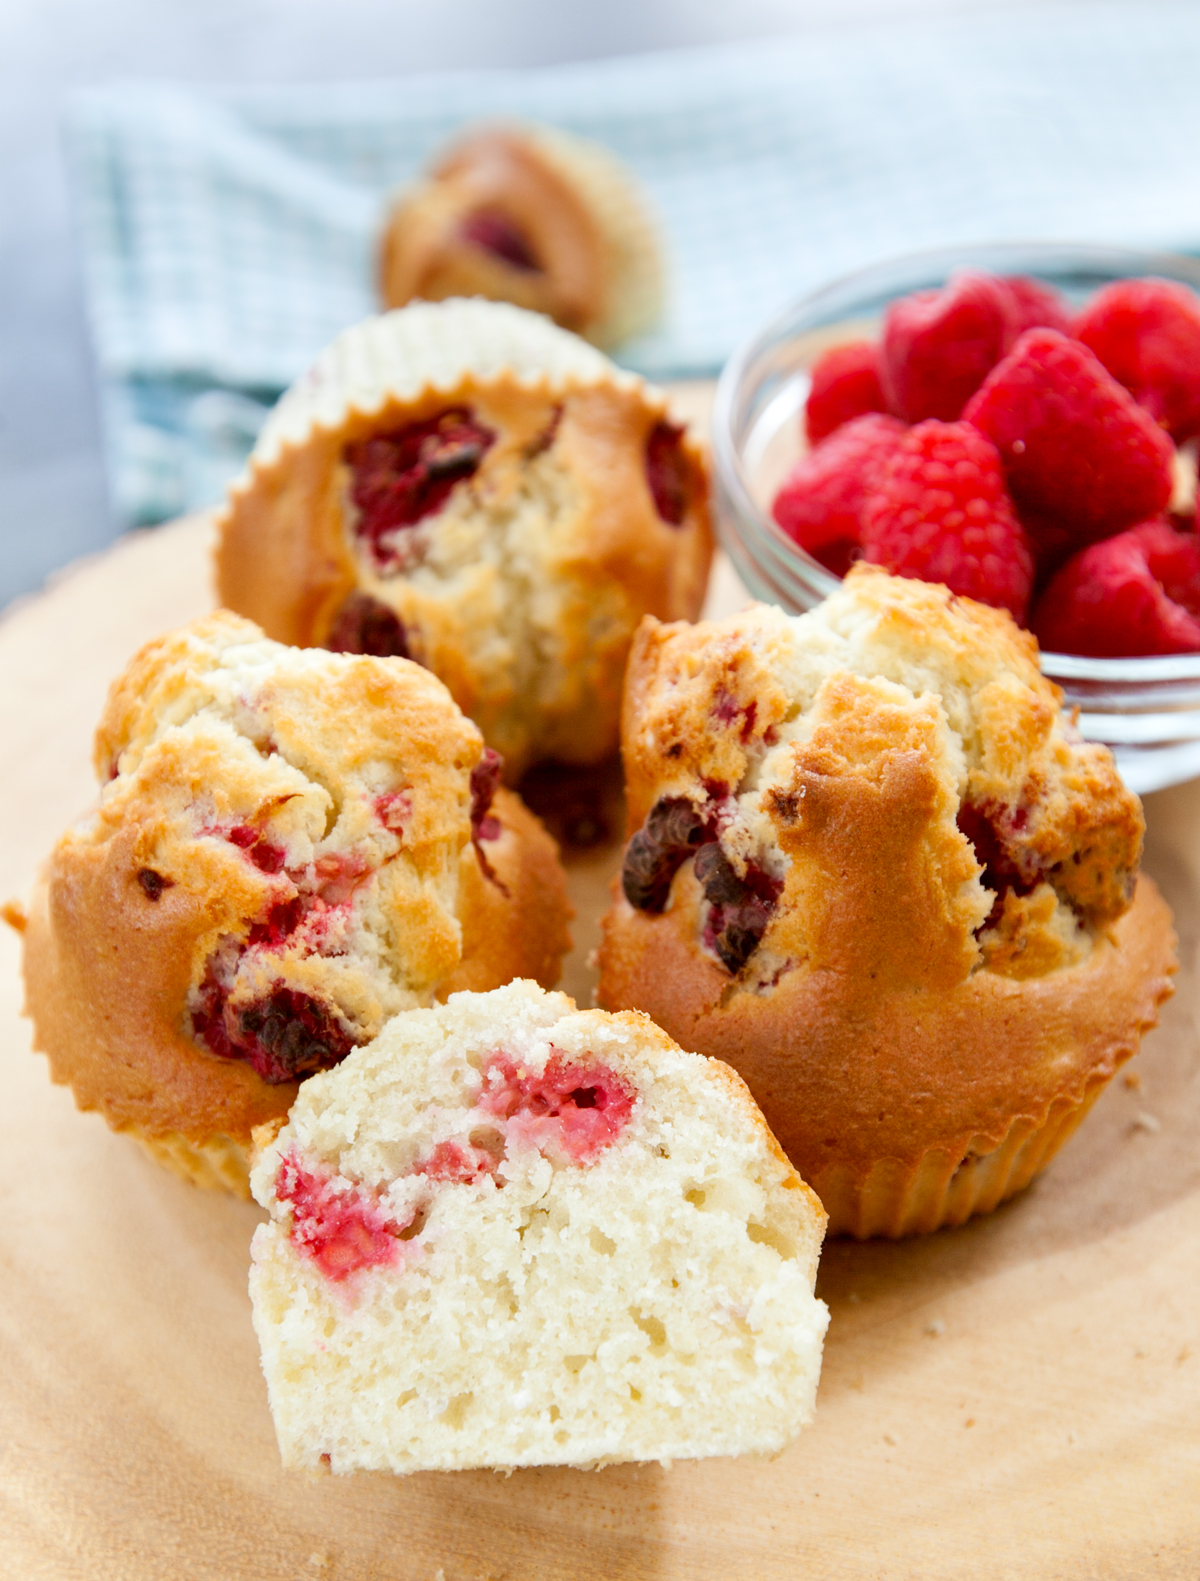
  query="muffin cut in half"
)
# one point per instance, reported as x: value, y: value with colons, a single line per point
x: 466, y: 485
x: 875, y: 868
x: 533, y: 216
x: 290, y: 847
x: 512, y: 1233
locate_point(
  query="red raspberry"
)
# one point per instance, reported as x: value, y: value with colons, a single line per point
x: 1076, y: 447
x: 1038, y: 306
x: 1174, y: 561
x: 820, y: 503
x: 1147, y: 334
x: 939, y: 512
x: 1124, y: 597
x: 845, y: 384
x: 939, y: 345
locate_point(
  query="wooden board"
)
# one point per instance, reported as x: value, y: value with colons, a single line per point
x: 1015, y: 1399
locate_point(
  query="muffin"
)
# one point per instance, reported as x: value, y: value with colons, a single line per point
x: 511, y: 1233
x: 875, y: 868
x: 290, y: 847
x: 464, y: 484
x: 533, y: 216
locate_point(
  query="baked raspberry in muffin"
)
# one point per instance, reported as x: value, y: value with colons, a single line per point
x: 875, y: 868
x: 533, y: 216
x: 511, y: 1233
x: 467, y: 485
x: 290, y: 847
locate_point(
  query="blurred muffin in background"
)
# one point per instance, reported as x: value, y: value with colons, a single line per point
x: 533, y: 216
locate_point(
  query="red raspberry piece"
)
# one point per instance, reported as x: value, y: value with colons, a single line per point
x: 938, y: 346
x: 820, y: 503
x: 1076, y: 447
x: 399, y: 478
x: 667, y: 472
x: 1038, y: 306
x: 365, y: 625
x: 497, y: 234
x: 1109, y: 600
x: 1147, y: 334
x: 939, y: 512
x: 845, y: 384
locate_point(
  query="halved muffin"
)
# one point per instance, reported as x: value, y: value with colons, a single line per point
x: 511, y: 1233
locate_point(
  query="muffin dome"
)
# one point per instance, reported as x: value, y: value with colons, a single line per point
x: 875, y: 868
x: 290, y: 847
x: 469, y: 486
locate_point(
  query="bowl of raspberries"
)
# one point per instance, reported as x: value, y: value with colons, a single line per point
x: 1018, y: 422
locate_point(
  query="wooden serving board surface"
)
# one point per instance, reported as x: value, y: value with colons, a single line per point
x: 1019, y: 1398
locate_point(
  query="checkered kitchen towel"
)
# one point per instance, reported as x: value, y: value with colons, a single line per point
x: 229, y: 236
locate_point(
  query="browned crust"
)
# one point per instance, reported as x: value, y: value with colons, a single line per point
x: 1084, y: 827
x: 107, y: 974
x: 422, y: 254
x: 283, y: 557
x: 851, y: 1069
x: 517, y: 923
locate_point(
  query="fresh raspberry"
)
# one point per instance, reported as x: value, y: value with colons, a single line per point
x: 1038, y: 306
x: 1147, y: 334
x: 939, y: 512
x: 845, y: 384
x: 1076, y: 447
x: 938, y: 346
x: 1174, y: 561
x: 820, y: 503
x: 1109, y: 601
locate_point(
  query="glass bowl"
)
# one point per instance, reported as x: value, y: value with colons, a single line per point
x: 1146, y: 710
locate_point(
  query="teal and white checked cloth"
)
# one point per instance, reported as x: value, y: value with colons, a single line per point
x: 228, y: 236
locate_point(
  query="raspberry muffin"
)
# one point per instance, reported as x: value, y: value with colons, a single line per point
x: 512, y: 1233
x: 533, y: 216
x: 875, y: 869
x: 467, y: 485
x: 290, y: 847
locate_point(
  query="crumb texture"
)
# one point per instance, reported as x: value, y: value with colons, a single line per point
x: 525, y: 1234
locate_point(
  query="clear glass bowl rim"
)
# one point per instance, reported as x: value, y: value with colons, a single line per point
x: 816, y: 309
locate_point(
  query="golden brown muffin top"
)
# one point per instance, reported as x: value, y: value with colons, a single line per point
x: 904, y: 728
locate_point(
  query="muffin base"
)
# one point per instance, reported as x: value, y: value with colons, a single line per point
x: 218, y: 1164
x: 946, y: 1189
x: 909, y: 1113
